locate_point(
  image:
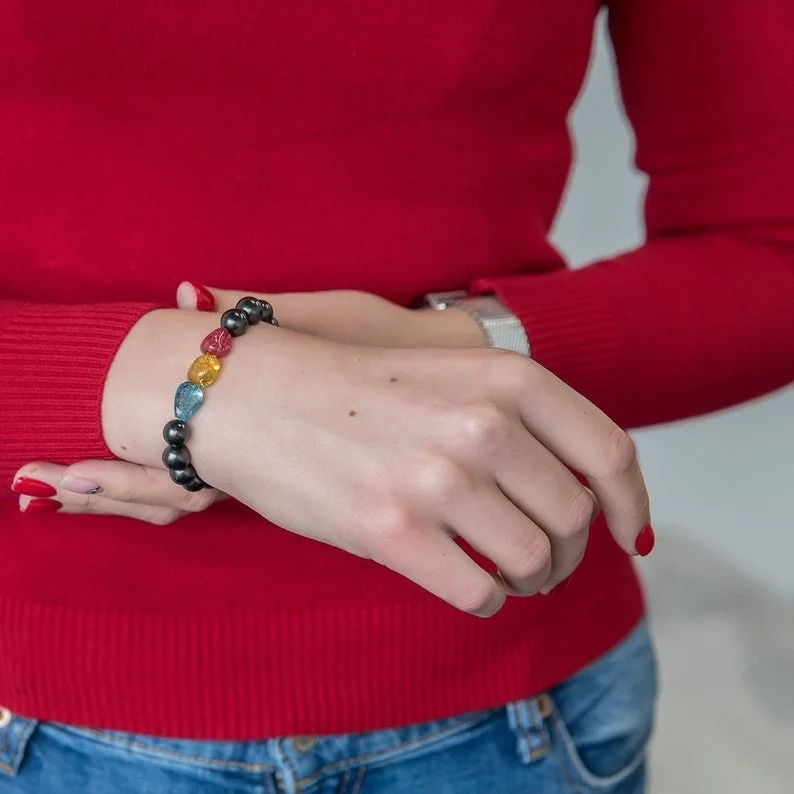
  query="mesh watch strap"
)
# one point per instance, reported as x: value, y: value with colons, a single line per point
x: 499, y: 325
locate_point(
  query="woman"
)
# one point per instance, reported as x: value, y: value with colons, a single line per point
x: 388, y: 150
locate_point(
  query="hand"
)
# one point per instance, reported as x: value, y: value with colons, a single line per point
x: 390, y: 453
x: 349, y: 316
x: 147, y: 493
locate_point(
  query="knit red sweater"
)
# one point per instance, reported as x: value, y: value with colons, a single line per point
x: 394, y: 147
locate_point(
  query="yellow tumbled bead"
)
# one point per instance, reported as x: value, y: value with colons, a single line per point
x: 204, y: 370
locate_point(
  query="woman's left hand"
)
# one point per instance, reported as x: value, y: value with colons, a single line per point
x: 147, y: 494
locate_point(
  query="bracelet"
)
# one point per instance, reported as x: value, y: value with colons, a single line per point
x: 203, y: 372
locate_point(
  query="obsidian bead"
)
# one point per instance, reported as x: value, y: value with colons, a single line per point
x: 196, y: 484
x: 184, y: 475
x: 175, y: 433
x: 176, y: 457
x: 235, y: 322
x: 253, y: 309
x: 267, y: 311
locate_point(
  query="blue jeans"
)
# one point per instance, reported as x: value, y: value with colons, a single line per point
x: 588, y: 734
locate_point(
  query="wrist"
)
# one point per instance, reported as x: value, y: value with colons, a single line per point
x: 450, y: 328
x: 500, y: 327
x: 139, y: 387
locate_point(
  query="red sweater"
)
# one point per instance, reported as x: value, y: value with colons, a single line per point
x: 394, y: 147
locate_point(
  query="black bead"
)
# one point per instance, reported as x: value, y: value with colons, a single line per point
x: 253, y: 309
x: 235, y: 322
x: 273, y: 321
x: 267, y: 311
x: 195, y: 485
x: 184, y: 475
x: 175, y: 433
x: 176, y: 457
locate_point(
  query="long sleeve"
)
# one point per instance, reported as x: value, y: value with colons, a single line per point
x: 55, y: 359
x: 702, y: 315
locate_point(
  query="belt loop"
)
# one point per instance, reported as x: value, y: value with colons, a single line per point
x: 525, y: 718
x: 15, y: 733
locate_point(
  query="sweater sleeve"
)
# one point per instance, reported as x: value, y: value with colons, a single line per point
x: 702, y: 315
x: 55, y: 361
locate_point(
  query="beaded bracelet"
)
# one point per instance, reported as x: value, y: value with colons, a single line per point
x: 204, y: 372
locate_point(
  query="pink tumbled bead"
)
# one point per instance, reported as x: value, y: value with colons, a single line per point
x: 217, y: 343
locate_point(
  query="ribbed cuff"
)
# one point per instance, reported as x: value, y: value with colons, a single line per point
x: 570, y: 327
x: 51, y: 402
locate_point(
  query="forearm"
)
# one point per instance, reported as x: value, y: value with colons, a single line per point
x: 677, y: 328
x: 56, y: 358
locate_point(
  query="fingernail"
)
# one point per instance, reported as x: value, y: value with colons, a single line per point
x: 645, y: 541
x: 42, y: 506
x: 27, y: 486
x: 79, y: 485
x: 205, y: 301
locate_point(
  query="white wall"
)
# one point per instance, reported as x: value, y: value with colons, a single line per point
x: 739, y: 504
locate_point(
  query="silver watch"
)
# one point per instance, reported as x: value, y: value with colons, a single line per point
x: 500, y: 326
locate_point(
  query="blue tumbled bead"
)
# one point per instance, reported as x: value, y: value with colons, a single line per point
x: 187, y: 400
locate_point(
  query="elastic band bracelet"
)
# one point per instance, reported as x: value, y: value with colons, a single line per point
x: 204, y: 372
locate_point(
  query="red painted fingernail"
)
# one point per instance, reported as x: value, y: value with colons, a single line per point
x: 205, y: 301
x: 27, y: 486
x: 645, y: 541
x: 43, y: 506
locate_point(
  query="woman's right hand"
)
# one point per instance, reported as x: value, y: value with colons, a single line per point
x: 391, y: 453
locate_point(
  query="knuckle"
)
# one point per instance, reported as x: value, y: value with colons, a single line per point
x: 620, y: 454
x: 128, y: 490
x: 532, y: 558
x: 196, y: 502
x: 508, y: 370
x: 394, y: 527
x: 145, y: 484
x: 477, y: 597
x: 579, y: 514
x: 84, y: 503
x: 482, y: 429
x: 643, y: 508
x: 442, y: 481
x: 162, y: 517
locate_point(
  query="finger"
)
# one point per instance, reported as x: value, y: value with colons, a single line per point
x: 544, y: 489
x: 128, y: 482
x: 37, y: 479
x: 587, y: 441
x: 497, y: 529
x: 431, y: 559
x: 198, y: 297
x: 93, y: 504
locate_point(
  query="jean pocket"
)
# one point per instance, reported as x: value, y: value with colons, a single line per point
x: 602, y: 717
x: 15, y: 733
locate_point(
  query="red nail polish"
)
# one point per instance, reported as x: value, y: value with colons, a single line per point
x: 27, y: 486
x: 645, y: 541
x: 43, y: 506
x: 205, y: 301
